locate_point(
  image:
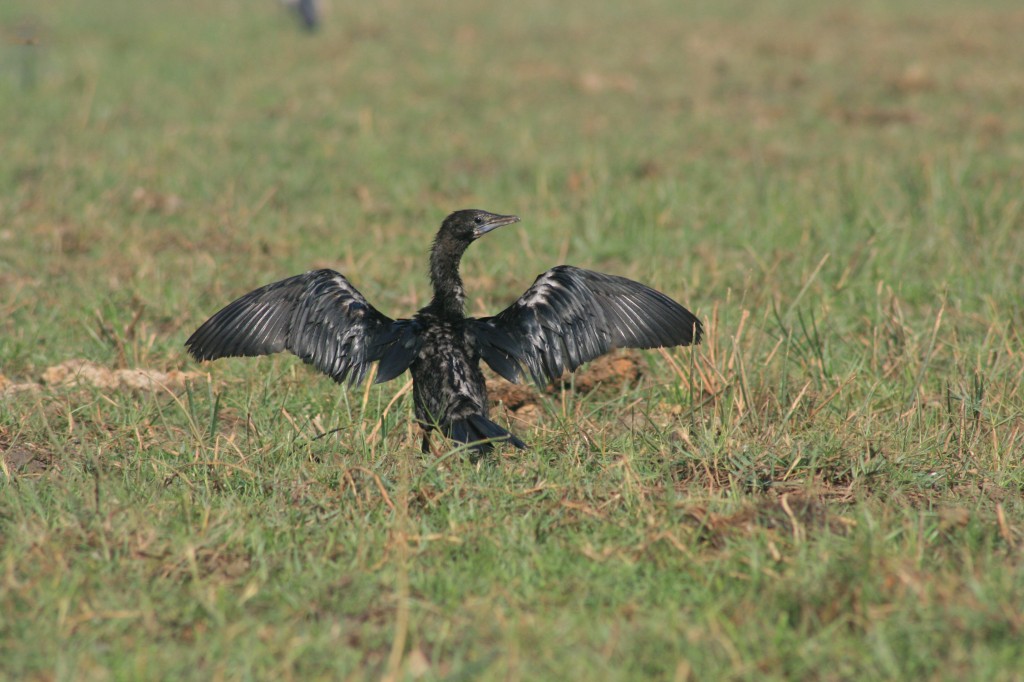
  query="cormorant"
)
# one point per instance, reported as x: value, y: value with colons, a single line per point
x: 567, y: 317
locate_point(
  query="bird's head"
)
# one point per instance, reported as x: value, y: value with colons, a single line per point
x: 470, y: 224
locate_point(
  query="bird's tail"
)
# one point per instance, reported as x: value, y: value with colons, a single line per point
x: 476, y: 428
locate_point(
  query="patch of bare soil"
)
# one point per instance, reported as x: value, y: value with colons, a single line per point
x: 80, y: 372
x: 513, y: 396
x: 609, y: 372
x: 24, y: 458
x: 10, y: 387
x: 796, y: 515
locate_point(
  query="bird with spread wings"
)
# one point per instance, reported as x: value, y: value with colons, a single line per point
x: 566, y: 318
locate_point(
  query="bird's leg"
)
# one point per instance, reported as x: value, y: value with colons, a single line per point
x: 425, y: 443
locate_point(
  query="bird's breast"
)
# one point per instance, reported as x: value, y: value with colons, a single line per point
x: 446, y: 372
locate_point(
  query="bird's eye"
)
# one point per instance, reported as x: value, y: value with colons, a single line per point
x: 478, y: 220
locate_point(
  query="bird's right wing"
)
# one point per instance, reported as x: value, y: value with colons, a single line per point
x: 320, y: 317
x: 570, y: 316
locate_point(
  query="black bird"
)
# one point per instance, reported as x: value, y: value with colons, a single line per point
x: 568, y: 316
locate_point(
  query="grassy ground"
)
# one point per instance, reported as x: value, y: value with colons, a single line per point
x: 828, y: 488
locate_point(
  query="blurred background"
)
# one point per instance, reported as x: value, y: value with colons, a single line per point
x: 172, y: 156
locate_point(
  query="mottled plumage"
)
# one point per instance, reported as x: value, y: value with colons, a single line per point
x: 567, y: 317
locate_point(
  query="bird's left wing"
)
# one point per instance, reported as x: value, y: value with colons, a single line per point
x: 570, y: 316
x: 320, y: 317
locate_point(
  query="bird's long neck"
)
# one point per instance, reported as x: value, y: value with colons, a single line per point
x: 449, y: 296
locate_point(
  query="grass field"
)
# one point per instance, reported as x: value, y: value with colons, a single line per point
x: 830, y: 487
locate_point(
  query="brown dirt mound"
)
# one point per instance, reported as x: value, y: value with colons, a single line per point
x: 607, y: 372
x: 80, y: 372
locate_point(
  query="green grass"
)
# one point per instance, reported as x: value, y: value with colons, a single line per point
x: 828, y: 488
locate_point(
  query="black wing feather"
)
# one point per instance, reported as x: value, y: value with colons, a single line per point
x: 320, y: 317
x: 398, y: 351
x: 570, y: 316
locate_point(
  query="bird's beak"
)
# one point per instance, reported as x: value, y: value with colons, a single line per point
x: 493, y: 223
